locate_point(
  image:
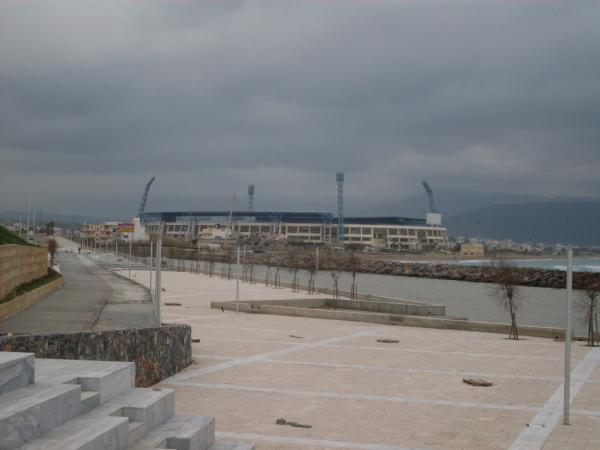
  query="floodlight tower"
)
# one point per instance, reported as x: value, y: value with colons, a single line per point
x: 145, y: 197
x: 339, y: 177
x: 250, y: 197
x: 432, y: 208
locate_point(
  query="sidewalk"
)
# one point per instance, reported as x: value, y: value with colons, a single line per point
x: 91, y: 298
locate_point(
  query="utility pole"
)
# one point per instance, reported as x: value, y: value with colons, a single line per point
x: 568, y: 332
x: 150, y: 285
x: 130, y: 240
x: 157, y: 289
x: 27, y: 218
x: 244, y: 264
x: 237, y: 281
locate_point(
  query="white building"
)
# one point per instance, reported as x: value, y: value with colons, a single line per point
x: 300, y: 227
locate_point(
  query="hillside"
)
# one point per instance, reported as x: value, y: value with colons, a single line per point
x: 549, y: 222
x: 455, y: 202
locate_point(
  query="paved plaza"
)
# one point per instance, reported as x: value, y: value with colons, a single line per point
x: 357, y: 393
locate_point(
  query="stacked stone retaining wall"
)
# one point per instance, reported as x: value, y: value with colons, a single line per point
x: 20, y: 264
x: 157, y: 352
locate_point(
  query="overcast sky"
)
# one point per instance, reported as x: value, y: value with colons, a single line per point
x: 209, y: 96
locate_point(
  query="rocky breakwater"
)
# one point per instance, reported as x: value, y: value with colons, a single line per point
x: 477, y: 274
x: 356, y: 262
x: 529, y: 276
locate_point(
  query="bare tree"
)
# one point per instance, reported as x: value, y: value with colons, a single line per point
x: 354, y: 267
x: 196, y: 267
x: 291, y: 262
x: 506, y: 279
x: 311, y: 268
x: 230, y: 257
x: 52, y: 247
x: 333, y: 262
x: 210, y: 258
x: 588, y: 304
x: 268, y: 266
x: 250, y: 270
x: 277, y: 277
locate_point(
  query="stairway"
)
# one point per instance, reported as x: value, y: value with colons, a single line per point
x: 55, y: 404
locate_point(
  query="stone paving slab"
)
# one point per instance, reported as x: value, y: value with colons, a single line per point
x: 361, y: 394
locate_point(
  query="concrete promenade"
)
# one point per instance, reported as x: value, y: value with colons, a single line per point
x: 357, y: 393
x: 91, y: 298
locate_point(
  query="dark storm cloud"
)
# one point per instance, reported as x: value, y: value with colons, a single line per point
x: 95, y: 97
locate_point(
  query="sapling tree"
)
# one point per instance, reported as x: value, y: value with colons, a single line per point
x: 506, y: 279
x: 354, y: 266
x: 311, y: 269
x: 588, y: 304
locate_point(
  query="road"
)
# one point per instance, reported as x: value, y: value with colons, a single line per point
x: 92, y: 298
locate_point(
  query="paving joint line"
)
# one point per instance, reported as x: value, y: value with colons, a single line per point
x: 310, y: 442
x: 262, y: 356
x: 550, y: 414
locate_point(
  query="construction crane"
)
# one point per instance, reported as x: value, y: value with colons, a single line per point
x: 145, y: 197
x: 230, y: 223
x: 432, y: 208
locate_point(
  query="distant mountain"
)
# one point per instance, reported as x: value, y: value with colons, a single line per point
x: 454, y: 202
x: 567, y: 222
x: 59, y: 219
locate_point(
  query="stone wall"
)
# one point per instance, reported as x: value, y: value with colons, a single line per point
x: 157, y: 352
x: 20, y: 264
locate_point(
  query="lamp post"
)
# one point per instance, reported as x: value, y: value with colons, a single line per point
x: 568, y: 332
x: 237, y: 281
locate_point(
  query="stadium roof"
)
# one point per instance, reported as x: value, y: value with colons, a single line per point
x: 275, y: 216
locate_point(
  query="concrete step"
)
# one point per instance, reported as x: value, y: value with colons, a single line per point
x: 147, y: 406
x: 89, y: 400
x: 97, y: 433
x: 181, y: 433
x: 16, y: 370
x: 136, y: 431
x: 110, y: 379
x: 28, y: 412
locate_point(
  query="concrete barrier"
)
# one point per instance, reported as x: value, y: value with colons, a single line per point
x: 20, y: 264
x: 287, y: 308
x: 21, y: 303
x: 347, y: 304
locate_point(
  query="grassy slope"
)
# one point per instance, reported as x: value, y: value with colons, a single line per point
x: 8, y: 237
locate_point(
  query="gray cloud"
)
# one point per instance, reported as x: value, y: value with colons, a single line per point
x: 96, y: 97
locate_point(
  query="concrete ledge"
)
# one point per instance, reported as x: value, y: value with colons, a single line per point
x: 21, y: 303
x: 270, y: 307
x: 350, y: 306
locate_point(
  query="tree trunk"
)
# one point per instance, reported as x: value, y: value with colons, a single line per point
x: 514, y: 333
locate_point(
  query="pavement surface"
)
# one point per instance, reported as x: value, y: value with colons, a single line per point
x: 91, y: 298
x: 357, y: 393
